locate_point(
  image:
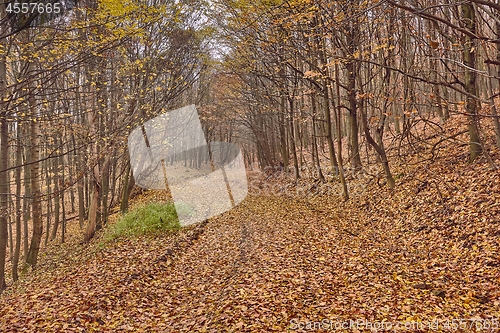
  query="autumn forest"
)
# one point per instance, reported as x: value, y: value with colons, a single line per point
x: 369, y: 134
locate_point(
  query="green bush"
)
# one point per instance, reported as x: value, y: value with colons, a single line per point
x: 147, y: 219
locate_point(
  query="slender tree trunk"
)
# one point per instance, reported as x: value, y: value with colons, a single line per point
x: 345, y: 192
x: 27, y: 197
x: 321, y: 45
x: 57, y: 197
x: 292, y: 140
x: 48, y: 183
x: 4, y: 186
x: 496, y: 121
x: 93, y: 212
x: 4, y: 159
x: 315, y: 153
x: 126, y: 193
x: 283, y: 138
x: 114, y: 175
x: 63, y: 220
x: 469, y: 58
x: 105, y: 187
x: 80, y: 184
x: 94, y: 220
x: 9, y: 223
x: 35, y: 189
x: 435, y: 97
x: 95, y: 200
x: 329, y: 136
x: 353, y: 117
x: 353, y: 36
x: 17, y: 177
x: 71, y: 168
x: 380, y: 150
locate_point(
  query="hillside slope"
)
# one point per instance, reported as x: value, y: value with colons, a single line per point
x: 427, y: 251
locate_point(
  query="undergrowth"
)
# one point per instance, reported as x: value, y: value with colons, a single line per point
x: 146, y: 219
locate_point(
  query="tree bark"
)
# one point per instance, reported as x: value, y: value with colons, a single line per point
x: 4, y: 161
x: 292, y: 136
x: 17, y: 177
x: 469, y: 58
x: 345, y: 191
x: 315, y: 153
x: 4, y: 186
x: 35, y: 188
x: 353, y: 36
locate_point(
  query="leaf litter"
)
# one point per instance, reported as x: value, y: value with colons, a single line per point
x: 427, y: 250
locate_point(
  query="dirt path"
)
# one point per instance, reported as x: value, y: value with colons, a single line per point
x: 271, y: 264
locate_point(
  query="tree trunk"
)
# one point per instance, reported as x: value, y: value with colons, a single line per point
x: 380, y: 150
x: 48, y: 183
x: 105, y: 187
x: 35, y: 189
x: 57, y: 197
x: 126, y: 192
x: 352, y: 72
x: 4, y: 186
x: 93, y: 212
x: 63, y: 222
x: 283, y: 137
x: 353, y: 116
x: 495, y: 113
x: 469, y: 58
x: 4, y: 160
x: 80, y: 184
x: 320, y: 44
x: 27, y: 198
x: 315, y: 153
x: 17, y: 177
x: 345, y: 192
x: 292, y: 136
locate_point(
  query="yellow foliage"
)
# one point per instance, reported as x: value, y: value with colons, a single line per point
x: 117, y: 7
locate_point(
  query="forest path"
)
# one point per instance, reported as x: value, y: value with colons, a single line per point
x: 271, y: 264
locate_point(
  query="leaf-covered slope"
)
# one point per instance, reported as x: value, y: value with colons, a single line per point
x: 429, y: 250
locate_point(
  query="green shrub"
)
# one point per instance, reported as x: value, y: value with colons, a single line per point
x: 147, y: 219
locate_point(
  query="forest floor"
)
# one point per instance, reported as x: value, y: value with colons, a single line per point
x: 421, y: 258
